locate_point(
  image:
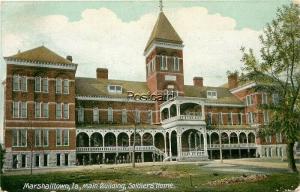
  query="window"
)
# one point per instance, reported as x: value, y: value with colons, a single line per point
x: 66, y: 111
x: 124, y: 116
x: 209, y: 118
x: 58, y: 110
x: 81, y: 114
x: 45, y: 85
x: 23, y: 160
x: 212, y: 94
x: 149, y: 117
x: 58, y: 137
x: 250, y: 118
x: 220, y: 118
x: 66, y: 159
x: 16, y: 83
x: 275, y: 98
x: 266, y: 116
x: 37, y: 109
x: 23, y: 81
x: 19, y: 83
x: 19, y: 137
x: 249, y: 100
x: 38, y: 137
x: 37, y: 160
x: 264, y: 99
x: 19, y: 109
x: 46, y: 160
x: 137, y: 116
x: 149, y: 68
x: 66, y: 136
x: 41, y: 110
x: 176, y: 63
x: 58, y: 86
x: 41, y: 137
x: 115, y: 89
x: 110, y: 115
x: 58, y: 159
x: 66, y: 86
x: 240, y: 117
x: 45, y: 137
x: 37, y: 84
x: 45, y: 107
x: 229, y: 116
x: 163, y: 62
x: 96, y: 115
x: 153, y: 63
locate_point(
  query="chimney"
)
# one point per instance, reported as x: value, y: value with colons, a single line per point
x: 198, y: 81
x: 233, y: 80
x: 70, y: 58
x: 102, y: 73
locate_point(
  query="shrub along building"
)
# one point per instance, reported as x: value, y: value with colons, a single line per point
x: 53, y: 118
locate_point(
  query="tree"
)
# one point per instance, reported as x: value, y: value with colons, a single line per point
x: 277, y: 71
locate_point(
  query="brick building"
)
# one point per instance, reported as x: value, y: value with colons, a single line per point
x: 53, y: 118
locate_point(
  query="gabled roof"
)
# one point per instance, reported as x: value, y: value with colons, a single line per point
x: 40, y: 54
x: 163, y: 31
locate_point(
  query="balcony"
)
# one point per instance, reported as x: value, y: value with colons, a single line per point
x: 183, y: 118
x: 232, y: 146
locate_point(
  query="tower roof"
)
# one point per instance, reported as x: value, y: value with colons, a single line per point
x: 40, y: 54
x: 163, y: 31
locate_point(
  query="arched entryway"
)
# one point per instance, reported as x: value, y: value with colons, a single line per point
x: 137, y: 139
x: 174, y: 143
x: 96, y: 140
x: 123, y: 140
x: 82, y: 140
x: 110, y: 140
x: 147, y: 139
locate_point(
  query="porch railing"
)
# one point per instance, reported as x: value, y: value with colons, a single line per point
x: 184, y: 118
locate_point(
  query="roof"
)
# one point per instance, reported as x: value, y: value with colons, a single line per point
x: 224, y: 96
x: 94, y: 87
x: 39, y: 54
x: 163, y: 31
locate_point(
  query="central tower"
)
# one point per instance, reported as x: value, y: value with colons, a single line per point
x: 164, y: 58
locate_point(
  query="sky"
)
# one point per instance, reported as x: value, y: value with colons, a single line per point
x: 113, y: 34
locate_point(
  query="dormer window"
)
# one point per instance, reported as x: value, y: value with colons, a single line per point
x: 212, y: 94
x: 114, y: 89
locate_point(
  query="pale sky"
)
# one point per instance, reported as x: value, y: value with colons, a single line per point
x: 113, y: 34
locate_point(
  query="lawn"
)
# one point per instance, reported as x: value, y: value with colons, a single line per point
x: 187, y: 177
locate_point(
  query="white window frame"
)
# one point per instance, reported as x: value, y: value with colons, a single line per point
x: 66, y: 110
x: 80, y: 114
x: 38, y: 137
x: 45, y: 85
x: 64, y: 131
x: 110, y: 115
x: 23, y: 78
x: 124, y: 116
x: 56, y: 111
x: 211, y: 94
x: 38, y: 84
x: 45, y: 110
x: 96, y: 115
x: 58, y: 137
x: 149, y: 117
x: 22, y: 104
x: 163, y: 62
x: 137, y: 116
x: 45, y: 137
x: 66, y: 86
x: 113, y: 89
x: 58, y: 86
x: 176, y: 62
x: 16, y: 83
x: 38, y: 107
x: 153, y: 63
x: 249, y: 100
x: 18, y: 138
x: 264, y: 98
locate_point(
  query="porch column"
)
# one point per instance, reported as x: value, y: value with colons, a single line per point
x: 165, y: 141
x: 170, y: 146
x: 179, y: 145
x: 153, y: 140
x: 205, y: 143
x: 178, y: 109
x: 238, y: 138
x: 202, y: 111
x: 169, y: 113
x: 248, y: 149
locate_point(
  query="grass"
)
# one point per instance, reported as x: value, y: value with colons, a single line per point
x: 189, y: 177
